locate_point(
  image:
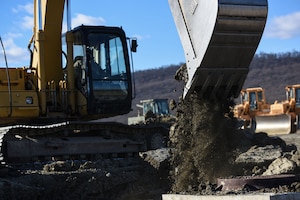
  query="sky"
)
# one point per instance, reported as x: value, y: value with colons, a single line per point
x: 150, y: 21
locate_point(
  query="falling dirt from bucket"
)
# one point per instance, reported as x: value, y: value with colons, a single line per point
x: 203, y: 141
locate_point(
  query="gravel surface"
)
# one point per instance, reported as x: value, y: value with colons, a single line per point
x: 144, y: 177
x: 131, y: 178
x: 207, y: 146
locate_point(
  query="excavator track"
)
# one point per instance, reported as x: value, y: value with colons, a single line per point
x: 78, y: 140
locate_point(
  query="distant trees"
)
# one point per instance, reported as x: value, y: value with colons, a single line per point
x: 158, y: 83
x: 268, y: 70
x: 273, y: 72
x: 272, y: 59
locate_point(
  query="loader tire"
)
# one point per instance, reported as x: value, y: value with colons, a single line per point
x: 295, y: 124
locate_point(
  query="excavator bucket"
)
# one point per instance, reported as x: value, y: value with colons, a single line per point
x: 219, y: 38
x: 274, y: 124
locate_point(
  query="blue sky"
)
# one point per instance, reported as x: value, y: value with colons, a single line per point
x: 150, y: 21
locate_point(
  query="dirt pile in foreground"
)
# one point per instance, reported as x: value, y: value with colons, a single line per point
x: 130, y: 178
x: 203, y: 140
x: 207, y: 146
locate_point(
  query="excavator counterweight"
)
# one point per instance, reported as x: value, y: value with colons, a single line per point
x: 219, y: 39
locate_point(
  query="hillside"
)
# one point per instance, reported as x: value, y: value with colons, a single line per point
x: 158, y: 83
x: 273, y: 72
x: 270, y: 71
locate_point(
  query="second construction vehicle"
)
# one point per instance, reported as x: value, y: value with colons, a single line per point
x: 274, y: 119
x: 155, y: 112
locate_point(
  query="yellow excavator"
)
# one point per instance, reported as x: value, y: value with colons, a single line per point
x: 85, y: 74
x: 275, y: 119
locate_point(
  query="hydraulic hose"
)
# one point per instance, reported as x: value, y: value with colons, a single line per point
x: 8, y: 80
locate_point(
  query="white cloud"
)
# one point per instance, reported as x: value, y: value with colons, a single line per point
x: 137, y: 36
x: 86, y: 20
x: 27, y: 22
x: 284, y: 27
x: 13, y: 35
x: 15, y: 55
x: 18, y: 56
x: 141, y: 37
x: 28, y: 8
x: 25, y: 13
x: 80, y: 19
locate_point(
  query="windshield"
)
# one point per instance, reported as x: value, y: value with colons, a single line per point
x: 157, y: 107
x: 107, y: 66
x: 106, y: 56
x: 253, y: 103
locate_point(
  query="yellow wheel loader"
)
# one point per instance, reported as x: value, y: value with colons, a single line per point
x: 275, y: 119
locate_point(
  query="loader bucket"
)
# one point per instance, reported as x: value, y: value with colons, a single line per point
x: 219, y: 38
x: 274, y: 125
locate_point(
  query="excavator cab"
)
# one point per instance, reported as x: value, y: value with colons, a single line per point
x: 102, y: 69
x: 151, y: 108
x: 297, y: 94
x: 253, y: 100
x: 293, y: 94
x: 156, y: 106
x: 293, y: 98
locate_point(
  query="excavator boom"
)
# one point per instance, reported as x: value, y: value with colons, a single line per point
x: 219, y: 39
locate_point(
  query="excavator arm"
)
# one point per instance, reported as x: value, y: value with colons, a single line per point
x: 219, y: 38
x: 46, y: 51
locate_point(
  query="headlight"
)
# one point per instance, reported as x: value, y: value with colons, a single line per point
x: 29, y: 100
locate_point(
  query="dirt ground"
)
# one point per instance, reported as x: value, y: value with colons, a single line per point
x: 207, y: 146
x: 204, y: 146
x: 129, y: 178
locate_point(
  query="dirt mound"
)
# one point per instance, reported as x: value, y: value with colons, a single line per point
x: 202, y: 139
x: 130, y: 178
x: 207, y: 146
